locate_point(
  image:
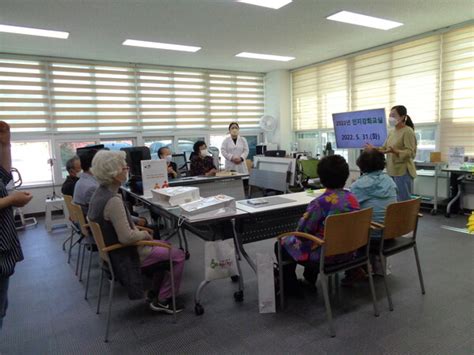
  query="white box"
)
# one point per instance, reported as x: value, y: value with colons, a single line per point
x: 174, y: 196
x: 208, y: 207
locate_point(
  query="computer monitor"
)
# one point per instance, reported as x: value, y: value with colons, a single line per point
x: 86, y: 155
x: 134, y: 156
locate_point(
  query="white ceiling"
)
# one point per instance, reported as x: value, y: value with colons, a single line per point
x: 222, y: 28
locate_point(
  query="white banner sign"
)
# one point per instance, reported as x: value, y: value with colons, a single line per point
x: 154, y: 175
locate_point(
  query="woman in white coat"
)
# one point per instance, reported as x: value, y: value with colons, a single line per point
x: 235, y: 150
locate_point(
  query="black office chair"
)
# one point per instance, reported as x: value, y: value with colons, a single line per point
x: 181, y: 163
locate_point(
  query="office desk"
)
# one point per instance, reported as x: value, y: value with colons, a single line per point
x: 248, y: 224
x: 462, y: 177
x: 436, y: 168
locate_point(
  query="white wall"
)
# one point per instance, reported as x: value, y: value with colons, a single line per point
x: 278, y: 104
x: 37, y: 204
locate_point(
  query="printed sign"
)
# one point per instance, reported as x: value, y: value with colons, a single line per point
x: 456, y: 157
x: 154, y: 175
x: 356, y: 129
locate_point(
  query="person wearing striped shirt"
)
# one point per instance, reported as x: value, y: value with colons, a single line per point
x: 10, y: 248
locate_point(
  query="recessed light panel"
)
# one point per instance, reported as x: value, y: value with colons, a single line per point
x: 33, y: 31
x: 264, y: 56
x: 272, y: 4
x: 364, y: 20
x: 158, y: 45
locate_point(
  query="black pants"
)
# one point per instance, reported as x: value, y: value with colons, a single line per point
x: 290, y: 280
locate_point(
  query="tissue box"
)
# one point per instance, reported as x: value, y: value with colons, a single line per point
x: 174, y: 196
x: 208, y: 207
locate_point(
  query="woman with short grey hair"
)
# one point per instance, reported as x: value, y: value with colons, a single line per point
x: 107, y: 208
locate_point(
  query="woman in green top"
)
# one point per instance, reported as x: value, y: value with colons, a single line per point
x: 400, y: 147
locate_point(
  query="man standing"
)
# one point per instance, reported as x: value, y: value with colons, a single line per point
x: 10, y: 249
x: 73, y: 167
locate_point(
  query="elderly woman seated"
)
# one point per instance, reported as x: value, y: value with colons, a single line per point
x: 108, y: 210
x: 333, y: 172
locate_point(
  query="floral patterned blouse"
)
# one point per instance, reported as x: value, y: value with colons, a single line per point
x: 329, y: 203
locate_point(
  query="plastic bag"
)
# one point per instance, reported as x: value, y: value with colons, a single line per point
x: 220, y: 260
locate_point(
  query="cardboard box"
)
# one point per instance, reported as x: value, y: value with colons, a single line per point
x: 174, y: 196
x: 435, y: 157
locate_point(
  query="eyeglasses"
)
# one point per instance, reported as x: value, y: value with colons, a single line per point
x: 125, y: 168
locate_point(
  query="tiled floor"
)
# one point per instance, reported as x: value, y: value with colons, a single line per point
x: 48, y: 313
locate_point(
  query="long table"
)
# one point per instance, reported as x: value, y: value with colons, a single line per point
x: 247, y: 225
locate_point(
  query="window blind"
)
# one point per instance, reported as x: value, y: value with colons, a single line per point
x: 235, y: 98
x: 431, y: 76
x: 58, y: 96
x: 317, y: 93
x: 457, y: 91
x: 24, y: 101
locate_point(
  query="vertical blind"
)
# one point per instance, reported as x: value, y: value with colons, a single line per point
x: 432, y: 76
x: 57, y: 96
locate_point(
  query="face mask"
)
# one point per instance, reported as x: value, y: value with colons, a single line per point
x: 204, y: 153
x: 169, y: 158
x: 234, y: 131
x: 392, y: 121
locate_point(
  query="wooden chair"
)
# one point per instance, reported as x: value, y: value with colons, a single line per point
x: 401, y: 218
x: 75, y: 228
x: 249, y: 164
x: 343, y: 234
x: 85, y: 241
x: 107, y: 265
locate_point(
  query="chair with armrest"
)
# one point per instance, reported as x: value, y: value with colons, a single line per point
x: 401, y: 219
x: 309, y: 173
x: 181, y: 164
x: 344, y: 233
x: 75, y: 228
x: 108, y: 266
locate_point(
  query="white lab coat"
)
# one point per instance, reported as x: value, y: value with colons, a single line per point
x: 239, y: 149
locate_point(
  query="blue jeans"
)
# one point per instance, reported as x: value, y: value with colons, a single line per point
x: 404, y: 186
x: 3, y: 297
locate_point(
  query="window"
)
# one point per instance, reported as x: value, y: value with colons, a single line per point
x: 252, y: 141
x: 61, y: 96
x: 426, y: 140
x: 67, y: 150
x: 330, y: 137
x: 318, y: 92
x: 156, y: 143
x: 431, y: 76
x: 31, y: 160
x: 185, y: 144
x: 457, y: 92
x: 216, y: 141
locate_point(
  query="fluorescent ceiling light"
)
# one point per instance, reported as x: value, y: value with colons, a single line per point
x: 264, y: 56
x: 33, y: 31
x: 363, y: 20
x: 157, y: 45
x: 272, y: 4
